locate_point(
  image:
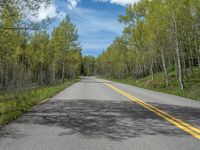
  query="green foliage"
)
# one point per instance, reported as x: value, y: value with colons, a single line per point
x: 112, y: 61
x: 159, y: 36
x: 28, y: 60
x: 33, y: 63
x: 21, y: 12
x: 88, y: 65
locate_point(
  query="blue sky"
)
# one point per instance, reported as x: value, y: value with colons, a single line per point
x: 96, y: 20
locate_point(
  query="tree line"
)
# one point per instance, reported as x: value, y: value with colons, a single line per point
x: 88, y: 66
x: 159, y: 36
x: 31, y: 56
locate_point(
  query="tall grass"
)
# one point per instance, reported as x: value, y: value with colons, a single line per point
x: 192, y: 83
x: 14, y: 107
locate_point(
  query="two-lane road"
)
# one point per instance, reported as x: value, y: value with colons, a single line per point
x: 97, y: 114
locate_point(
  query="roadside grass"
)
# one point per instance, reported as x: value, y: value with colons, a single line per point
x: 192, y: 84
x: 13, y: 108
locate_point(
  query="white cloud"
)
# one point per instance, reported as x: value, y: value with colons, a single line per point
x: 91, y: 20
x: 72, y: 3
x: 61, y: 15
x: 97, y: 28
x: 45, y: 12
x: 119, y: 2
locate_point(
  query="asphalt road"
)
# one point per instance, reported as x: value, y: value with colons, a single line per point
x: 89, y: 115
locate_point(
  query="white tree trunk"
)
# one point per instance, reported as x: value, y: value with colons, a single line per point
x: 63, y: 72
x: 180, y: 72
x: 164, y: 66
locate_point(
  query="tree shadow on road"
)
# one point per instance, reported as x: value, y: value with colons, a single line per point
x: 11, y: 133
x: 101, y: 119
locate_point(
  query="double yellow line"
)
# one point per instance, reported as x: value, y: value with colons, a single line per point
x: 195, y: 132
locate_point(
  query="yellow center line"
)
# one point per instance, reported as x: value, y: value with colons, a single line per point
x: 195, y: 132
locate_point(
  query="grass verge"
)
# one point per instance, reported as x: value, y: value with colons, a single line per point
x: 192, y: 84
x: 11, y: 109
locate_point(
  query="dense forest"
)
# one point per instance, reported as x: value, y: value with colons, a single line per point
x: 159, y: 36
x: 29, y: 55
x: 88, y: 66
